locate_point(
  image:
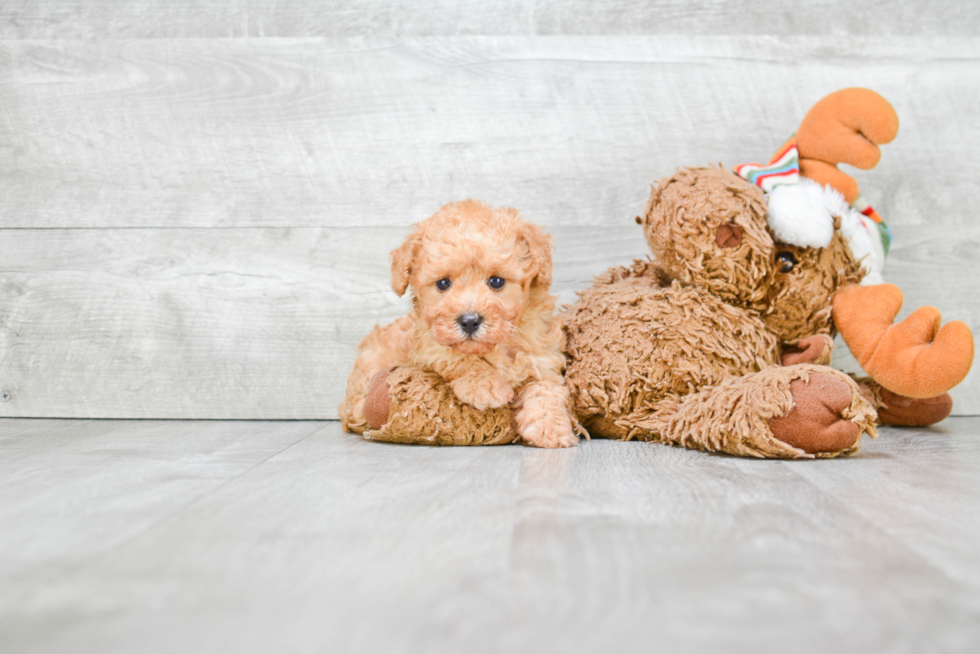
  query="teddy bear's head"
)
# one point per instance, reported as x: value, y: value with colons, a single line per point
x: 708, y: 227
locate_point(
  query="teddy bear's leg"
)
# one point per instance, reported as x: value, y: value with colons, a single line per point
x: 381, y: 349
x: 900, y: 411
x: 800, y: 411
x: 543, y: 415
x: 405, y: 404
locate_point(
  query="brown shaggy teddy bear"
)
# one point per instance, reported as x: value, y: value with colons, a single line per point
x: 721, y: 343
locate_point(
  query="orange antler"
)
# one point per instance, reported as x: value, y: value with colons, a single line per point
x: 914, y: 358
x: 845, y: 127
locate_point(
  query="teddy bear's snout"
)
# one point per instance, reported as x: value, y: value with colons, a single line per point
x: 729, y: 236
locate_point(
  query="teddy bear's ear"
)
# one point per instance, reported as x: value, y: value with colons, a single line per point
x: 403, y: 260
x: 539, y: 250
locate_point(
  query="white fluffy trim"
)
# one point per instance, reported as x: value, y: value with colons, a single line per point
x: 803, y: 215
x: 798, y: 214
x: 861, y: 234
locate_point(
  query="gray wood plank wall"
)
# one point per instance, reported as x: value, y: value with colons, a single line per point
x: 196, y: 226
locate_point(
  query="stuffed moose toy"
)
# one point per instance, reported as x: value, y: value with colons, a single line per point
x: 722, y: 341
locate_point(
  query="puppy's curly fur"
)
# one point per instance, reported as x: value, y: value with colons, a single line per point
x: 482, y: 318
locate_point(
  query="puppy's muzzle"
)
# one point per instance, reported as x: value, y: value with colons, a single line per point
x: 469, y: 322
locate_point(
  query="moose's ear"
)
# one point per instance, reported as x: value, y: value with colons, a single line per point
x: 539, y: 251
x: 403, y: 261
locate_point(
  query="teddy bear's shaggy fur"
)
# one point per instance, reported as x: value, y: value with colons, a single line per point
x: 482, y: 322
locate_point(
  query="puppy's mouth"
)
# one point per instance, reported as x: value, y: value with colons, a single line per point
x: 472, y: 346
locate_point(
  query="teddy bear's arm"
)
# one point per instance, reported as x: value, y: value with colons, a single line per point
x: 816, y: 349
x: 408, y: 404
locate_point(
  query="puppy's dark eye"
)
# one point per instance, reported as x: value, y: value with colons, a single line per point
x: 444, y: 284
x: 785, y: 261
x: 496, y: 283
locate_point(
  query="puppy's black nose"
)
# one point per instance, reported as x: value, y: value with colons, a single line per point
x: 470, y: 322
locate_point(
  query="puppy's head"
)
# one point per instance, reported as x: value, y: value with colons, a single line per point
x: 473, y: 270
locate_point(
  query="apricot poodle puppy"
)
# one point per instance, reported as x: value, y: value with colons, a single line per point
x: 482, y: 318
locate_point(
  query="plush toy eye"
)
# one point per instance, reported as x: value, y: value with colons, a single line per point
x: 444, y: 284
x: 496, y: 283
x: 785, y: 261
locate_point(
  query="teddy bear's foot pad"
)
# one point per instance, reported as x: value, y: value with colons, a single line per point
x: 816, y: 423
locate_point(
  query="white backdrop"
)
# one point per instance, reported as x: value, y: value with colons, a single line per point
x: 197, y: 201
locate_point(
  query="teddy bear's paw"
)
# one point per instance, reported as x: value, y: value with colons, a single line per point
x: 901, y: 411
x: 816, y: 349
x: 816, y: 422
x: 483, y: 391
x: 551, y: 432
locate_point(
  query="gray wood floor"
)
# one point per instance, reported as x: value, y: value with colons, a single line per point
x: 133, y: 536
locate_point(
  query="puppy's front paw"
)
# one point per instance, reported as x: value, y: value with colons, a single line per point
x: 483, y: 391
x: 549, y: 432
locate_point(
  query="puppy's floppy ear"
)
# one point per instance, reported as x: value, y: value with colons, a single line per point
x: 539, y: 251
x: 403, y: 260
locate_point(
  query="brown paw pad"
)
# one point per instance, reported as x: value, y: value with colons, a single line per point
x: 815, y: 424
x: 377, y: 401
